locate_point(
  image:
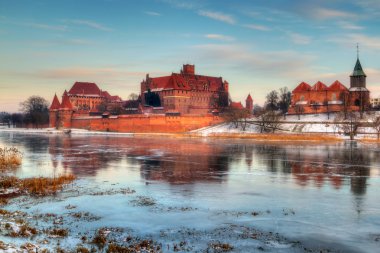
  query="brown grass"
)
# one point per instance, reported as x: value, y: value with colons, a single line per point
x: 45, y: 186
x: 9, y: 158
x: 36, y: 186
x: 57, y: 232
x: 369, y: 140
x: 275, y: 137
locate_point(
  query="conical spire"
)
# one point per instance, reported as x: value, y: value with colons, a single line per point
x: 66, y: 104
x: 358, y: 70
x: 55, y: 105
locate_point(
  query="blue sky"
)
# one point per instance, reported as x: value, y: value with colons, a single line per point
x: 258, y: 46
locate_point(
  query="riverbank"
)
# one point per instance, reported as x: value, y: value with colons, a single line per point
x: 205, y: 133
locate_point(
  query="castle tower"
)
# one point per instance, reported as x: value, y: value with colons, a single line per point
x: 249, y: 103
x: 65, y: 112
x: 359, y: 95
x: 358, y: 77
x: 53, y: 112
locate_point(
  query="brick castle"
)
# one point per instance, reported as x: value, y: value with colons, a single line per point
x: 176, y: 103
x: 320, y: 98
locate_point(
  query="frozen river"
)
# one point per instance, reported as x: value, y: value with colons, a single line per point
x: 254, y: 196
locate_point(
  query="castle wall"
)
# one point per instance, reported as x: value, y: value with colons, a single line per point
x: 143, y: 123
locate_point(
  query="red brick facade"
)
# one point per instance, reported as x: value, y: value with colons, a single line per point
x: 186, y: 92
x: 320, y: 98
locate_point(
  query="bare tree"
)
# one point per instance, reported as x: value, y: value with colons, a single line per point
x: 133, y: 96
x: 299, y: 110
x: 36, y: 110
x: 376, y: 125
x: 348, y: 124
x: 236, y: 116
x: 272, y: 101
x: 344, y: 98
x: 285, y: 99
x: 269, y: 121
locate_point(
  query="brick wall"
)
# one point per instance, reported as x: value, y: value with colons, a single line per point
x: 144, y: 124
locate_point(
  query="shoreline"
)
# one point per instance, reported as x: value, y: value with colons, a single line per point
x: 260, y: 137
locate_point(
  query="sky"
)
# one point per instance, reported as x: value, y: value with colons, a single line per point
x: 256, y: 45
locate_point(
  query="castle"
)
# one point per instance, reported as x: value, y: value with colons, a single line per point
x: 185, y: 92
x: 320, y: 98
x: 176, y: 103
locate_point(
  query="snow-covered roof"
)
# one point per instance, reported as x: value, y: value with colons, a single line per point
x: 335, y: 102
x: 358, y: 89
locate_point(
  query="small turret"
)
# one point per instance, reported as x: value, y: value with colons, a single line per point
x: 249, y: 103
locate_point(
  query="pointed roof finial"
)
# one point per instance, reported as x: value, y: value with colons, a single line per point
x: 357, y: 50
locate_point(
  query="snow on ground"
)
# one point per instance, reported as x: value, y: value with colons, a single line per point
x: 310, y: 123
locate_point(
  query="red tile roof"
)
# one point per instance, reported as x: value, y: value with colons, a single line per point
x: 319, y: 86
x: 337, y: 86
x: 186, y: 82
x: 249, y: 98
x: 115, y: 98
x: 302, y: 87
x: 236, y: 105
x: 66, y: 104
x: 85, y: 88
x: 55, y: 105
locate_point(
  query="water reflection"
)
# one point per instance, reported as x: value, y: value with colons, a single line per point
x: 187, y: 161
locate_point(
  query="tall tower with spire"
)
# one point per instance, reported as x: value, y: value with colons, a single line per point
x: 359, y: 95
x: 358, y: 77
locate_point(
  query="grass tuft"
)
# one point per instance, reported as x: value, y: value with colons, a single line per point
x: 9, y: 158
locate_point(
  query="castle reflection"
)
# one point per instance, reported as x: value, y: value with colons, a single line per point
x: 186, y: 161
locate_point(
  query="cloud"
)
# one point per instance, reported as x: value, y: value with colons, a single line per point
x: 349, y: 26
x: 299, y: 39
x: 219, y: 37
x: 46, y: 27
x: 89, y: 23
x: 324, y: 13
x: 351, y: 39
x: 84, y: 73
x: 218, y: 16
x: 257, y: 27
x: 181, y: 4
x: 280, y: 63
x: 152, y: 13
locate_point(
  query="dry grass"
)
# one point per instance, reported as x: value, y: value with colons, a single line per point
x: 9, y: 158
x: 45, y: 186
x: 275, y: 137
x: 369, y: 140
x: 36, y: 186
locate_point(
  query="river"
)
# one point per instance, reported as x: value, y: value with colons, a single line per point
x: 255, y: 196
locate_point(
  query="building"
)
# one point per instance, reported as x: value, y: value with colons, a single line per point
x: 86, y: 97
x: 185, y: 92
x: 321, y: 98
x: 249, y: 103
x: 375, y: 102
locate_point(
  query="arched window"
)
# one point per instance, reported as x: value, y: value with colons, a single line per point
x: 333, y: 97
x: 302, y: 98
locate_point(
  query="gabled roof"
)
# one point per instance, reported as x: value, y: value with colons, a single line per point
x: 105, y: 94
x: 115, y: 98
x: 249, y: 98
x: 186, y: 82
x: 66, y: 104
x: 55, y: 105
x: 236, y: 105
x: 358, y: 70
x: 319, y: 86
x: 302, y: 87
x: 337, y: 86
x: 85, y: 88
